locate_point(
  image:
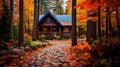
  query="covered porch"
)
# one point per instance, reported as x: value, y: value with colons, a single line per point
x: 49, y: 31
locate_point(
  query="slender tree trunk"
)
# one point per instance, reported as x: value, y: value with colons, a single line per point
x: 103, y: 31
x: 35, y: 26
x: 11, y: 18
x: 25, y: 29
x: 74, y: 38
x: 107, y: 27
x: 91, y: 31
x: 110, y: 24
x: 118, y: 25
x: 21, y: 30
x: 99, y: 22
x: 38, y: 16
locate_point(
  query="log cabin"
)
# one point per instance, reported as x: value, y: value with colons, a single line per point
x: 54, y: 25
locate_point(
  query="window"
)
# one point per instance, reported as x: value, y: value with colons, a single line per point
x: 48, y: 20
x: 45, y: 29
x: 66, y: 29
x: 55, y: 29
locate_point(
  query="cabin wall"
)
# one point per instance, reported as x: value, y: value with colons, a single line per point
x: 50, y: 34
x: 53, y: 23
x: 66, y: 35
x: 66, y: 31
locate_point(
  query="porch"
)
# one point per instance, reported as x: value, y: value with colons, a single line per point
x: 49, y: 31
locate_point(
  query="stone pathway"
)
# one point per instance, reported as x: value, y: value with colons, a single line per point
x: 53, y: 56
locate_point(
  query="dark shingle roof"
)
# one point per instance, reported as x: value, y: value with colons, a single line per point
x: 48, y: 14
x: 64, y: 20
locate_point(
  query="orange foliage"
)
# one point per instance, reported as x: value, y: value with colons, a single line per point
x: 28, y: 14
x: 27, y: 36
x: 88, y: 5
x: 79, y: 55
x: 82, y: 17
x: 84, y: 46
x: 80, y: 12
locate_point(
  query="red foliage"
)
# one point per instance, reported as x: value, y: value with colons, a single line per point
x: 79, y: 55
x: 93, y: 5
x: 88, y: 5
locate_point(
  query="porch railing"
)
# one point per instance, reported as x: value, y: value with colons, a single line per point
x: 50, y: 34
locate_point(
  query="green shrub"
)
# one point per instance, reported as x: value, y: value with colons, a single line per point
x: 42, y: 38
x: 35, y: 43
x: 15, y: 31
x: 94, y: 43
x: 58, y: 38
x: 27, y: 42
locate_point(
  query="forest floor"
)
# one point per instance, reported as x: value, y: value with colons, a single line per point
x: 58, y: 54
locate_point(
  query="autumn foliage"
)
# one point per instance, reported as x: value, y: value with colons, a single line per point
x: 100, y: 53
x: 80, y: 55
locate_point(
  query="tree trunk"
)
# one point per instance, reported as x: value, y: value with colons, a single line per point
x: 11, y: 18
x: 5, y: 22
x: 74, y: 38
x: 99, y: 22
x: 107, y: 27
x: 110, y: 24
x: 91, y: 31
x: 38, y: 16
x: 118, y: 25
x: 35, y: 26
x: 21, y: 30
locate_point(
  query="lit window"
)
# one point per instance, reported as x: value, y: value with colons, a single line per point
x: 45, y: 29
x: 66, y: 29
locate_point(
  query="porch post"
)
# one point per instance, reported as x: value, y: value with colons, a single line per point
x: 51, y: 31
x: 38, y: 31
x: 59, y: 31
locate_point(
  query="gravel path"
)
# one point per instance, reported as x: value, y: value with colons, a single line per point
x: 53, y: 56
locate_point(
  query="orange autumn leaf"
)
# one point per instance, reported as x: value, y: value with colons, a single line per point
x: 84, y: 46
x: 82, y: 17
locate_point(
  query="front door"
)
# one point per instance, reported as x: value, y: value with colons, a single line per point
x: 46, y: 31
x: 49, y: 31
x: 55, y: 31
